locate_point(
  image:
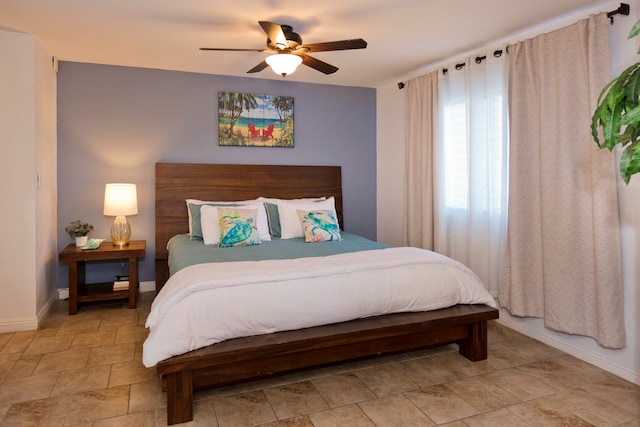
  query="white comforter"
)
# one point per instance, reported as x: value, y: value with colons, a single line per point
x: 208, y: 303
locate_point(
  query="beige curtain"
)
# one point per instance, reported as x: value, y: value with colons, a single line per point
x: 563, y: 261
x: 421, y: 115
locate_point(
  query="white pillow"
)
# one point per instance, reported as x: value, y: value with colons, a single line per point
x: 274, y: 201
x: 290, y: 224
x: 271, y: 204
x: 194, y: 222
x: 211, y: 223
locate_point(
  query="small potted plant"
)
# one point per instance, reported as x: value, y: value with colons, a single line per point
x: 79, y: 230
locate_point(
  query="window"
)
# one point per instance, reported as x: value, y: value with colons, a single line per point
x: 471, y: 167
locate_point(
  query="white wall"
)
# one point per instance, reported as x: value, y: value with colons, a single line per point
x: 27, y: 124
x: 17, y: 169
x: 624, y: 363
x: 390, y: 164
x: 46, y: 180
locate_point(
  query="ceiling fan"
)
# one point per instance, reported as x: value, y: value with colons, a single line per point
x: 289, y: 51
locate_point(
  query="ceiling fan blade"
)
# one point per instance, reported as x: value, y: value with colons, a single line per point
x: 316, y: 64
x: 337, y: 45
x: 275, y: 33
x: 261, y: 66
x: 233, y: 50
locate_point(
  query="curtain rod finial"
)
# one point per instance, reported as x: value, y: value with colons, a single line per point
x: 622, y: 10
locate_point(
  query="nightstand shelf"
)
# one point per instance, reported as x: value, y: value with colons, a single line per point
x: 100, y: 292
x: 80, y: 292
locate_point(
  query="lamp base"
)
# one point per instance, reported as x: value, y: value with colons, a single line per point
x: 120, y: 231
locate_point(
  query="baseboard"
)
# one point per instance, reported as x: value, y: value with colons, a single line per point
x: 27, y: 323
x: 46, y: 308
x: 550, y: 339
x: 18, y: 324
x: 149, y: 286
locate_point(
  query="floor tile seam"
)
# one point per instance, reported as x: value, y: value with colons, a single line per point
x: 273, y: 409
x: 508, y: 408
x: 541, y: 398
x: 487, y: 378
x: 36, y: 353
x: 427, y: 415
x: 9, y: 380
x: 612, y: 400
x: 397, y: 394
x: 483, y: 411
x: 508, y: 350
x: 558, y: 353
x: 518, y: 416
x: 75, y: 392
x: 401, y: 394
x: 555, y: 389
x: 216, y: 399
x: 538, y: 378
x: 416, y: 384
x: 84, y: 364
x: 599, y: 399
x: 480, y: 411
x: 21, y: 350
x: 308, y: 415
x: 10, y: 372
x: 128, y: 398
x: 48, y: 396
x: 319, y: 394
x: 9, y: 335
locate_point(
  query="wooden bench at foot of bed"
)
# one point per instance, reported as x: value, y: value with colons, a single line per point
x: 250, y: 358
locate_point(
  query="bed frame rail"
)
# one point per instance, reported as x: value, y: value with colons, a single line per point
x: 250, y: 358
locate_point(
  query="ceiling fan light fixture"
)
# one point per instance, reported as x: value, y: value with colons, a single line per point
x: 283, y: 63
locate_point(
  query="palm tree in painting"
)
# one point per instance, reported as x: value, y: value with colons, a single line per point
x: 283, y: 105
x: 232, y: 104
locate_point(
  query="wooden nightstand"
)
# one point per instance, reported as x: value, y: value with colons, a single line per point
x: 79, y: 291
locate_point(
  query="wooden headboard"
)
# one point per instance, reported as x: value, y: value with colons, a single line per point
x: 176, y: 182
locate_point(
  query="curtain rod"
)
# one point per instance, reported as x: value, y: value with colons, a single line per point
x: 622, y: 10
x: 479, y: 59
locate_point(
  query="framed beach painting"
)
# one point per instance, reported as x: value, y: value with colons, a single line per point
x: 251, y: 120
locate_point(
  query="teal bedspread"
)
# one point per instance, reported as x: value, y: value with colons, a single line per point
x: 184, y: 252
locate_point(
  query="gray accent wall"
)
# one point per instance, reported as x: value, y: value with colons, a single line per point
x: 115, y: 123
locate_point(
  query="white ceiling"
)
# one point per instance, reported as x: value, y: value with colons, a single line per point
x: 402, y: 35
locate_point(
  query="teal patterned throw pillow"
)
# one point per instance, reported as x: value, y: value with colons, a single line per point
x: 319, y: 226
x: 238, y: 227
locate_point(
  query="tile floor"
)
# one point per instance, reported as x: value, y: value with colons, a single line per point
x: 85, y: 370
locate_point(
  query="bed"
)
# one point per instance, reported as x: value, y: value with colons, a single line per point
x: 258, y: 356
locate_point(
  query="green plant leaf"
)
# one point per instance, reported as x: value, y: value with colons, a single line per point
x: 630, y: 162
x: 618, y: 114
x: 629, y: 134
x: 616, y: 92
x: 594, y: 128
x: 634, y: 31
x: 611, y: 126
x: 632, y: 87
x: 631, y: 116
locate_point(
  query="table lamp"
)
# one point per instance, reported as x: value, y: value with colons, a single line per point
x: 120, y: 200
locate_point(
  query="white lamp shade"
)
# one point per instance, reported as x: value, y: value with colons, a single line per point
x: 120, y: 199
x: 283, y: 63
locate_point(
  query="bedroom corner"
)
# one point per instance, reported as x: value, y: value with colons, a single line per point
x: 624, y: 362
